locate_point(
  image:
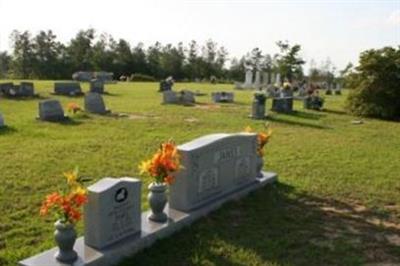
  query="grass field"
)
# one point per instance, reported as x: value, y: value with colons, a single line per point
x: 337, y: 201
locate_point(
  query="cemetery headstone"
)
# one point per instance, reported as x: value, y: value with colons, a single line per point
x: 68, y: 88
x: 187, y: 97
x: 213, y: 166
x: 26, y: 89
x: 97, y: 86
x: 222, y: 97
x: 257, y: 80
x: 113, y: 211
x: 5, y: 87
x: 51, y: 110
x: 94, y: 103
x: 282, y: 104
x: 248, y: 79
x: 170, y: 97
x: 313, y: 102
x: 258, y: 106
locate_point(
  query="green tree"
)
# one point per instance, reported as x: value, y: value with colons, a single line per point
x: 289, y: 61
x: 47, y: 54
x: 5, y: 61
x: 22, y: 65
x: 376, y: 80
x: 80, y: 50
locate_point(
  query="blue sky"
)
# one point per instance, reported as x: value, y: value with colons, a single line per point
x: 339, y: 30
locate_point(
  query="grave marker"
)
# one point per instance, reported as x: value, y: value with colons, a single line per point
x: 113, y: 211
x: 213, y: 166
x: 94, y: 103
x: 51, y: 110
x: 67, y: 88
x: 222, y: 96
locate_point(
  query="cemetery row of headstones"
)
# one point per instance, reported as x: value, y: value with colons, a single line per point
x: 52, y: 111
x: 104, y: 77
x: 24, y: 89
x: 215, y: 169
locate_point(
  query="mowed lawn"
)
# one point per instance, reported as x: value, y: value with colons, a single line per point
x: 337, y: 201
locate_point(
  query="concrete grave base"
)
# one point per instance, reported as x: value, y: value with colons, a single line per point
x: 149, y: 234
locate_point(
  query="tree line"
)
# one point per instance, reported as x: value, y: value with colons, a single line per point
x: 44, y: 57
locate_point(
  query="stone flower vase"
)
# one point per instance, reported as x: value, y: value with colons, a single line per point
x: 65, y: 236
x: 259, y: 165
x: 157, y: 200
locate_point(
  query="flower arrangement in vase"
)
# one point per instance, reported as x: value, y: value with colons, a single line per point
x: 66, y: 206
x: 161, y: 167
x: 262, y: 140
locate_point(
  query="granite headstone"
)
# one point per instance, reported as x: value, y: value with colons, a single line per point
x: 67, y: 88
x: 113, y: 211
x: 213, y: 166
x: 224, y: 97
x: 94, y: 103
x: 51, y: 110
x: 97, y: 86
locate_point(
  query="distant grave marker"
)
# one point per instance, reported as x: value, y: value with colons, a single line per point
x: 51, y: 110
x: 222, y: 97
x: 67, y: 88
x: 94, y: 103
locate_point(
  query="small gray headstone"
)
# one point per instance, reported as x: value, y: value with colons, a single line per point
x: 94, y: 103
x: 222, y: 97
x: 51, y: 110
x: 26, y: 89
x: 213, y: 166
x: 113, y: 211
x: 170, y: 97
x: 282, y: 104
x: 97, y: 86
x: 187, y: 97
x: 67, y: 88
x: 258, y: 110
x: 6, y: 87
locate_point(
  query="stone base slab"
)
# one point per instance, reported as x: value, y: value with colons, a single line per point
x: 150, y: 233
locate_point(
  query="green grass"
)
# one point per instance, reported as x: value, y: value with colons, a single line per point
x: 337, y: 201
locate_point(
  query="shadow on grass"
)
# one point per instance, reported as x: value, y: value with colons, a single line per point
x: 23, y: 99
x: 336, y: 112
x: 4, y: 130
x: 277, y: 225
x: 277, y: 119
x: 306, y: 115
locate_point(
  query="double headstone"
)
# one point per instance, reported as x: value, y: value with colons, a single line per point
x: 182, y: 97
x: 94, y: 103
x: 51, y: 110
x: 97, y: 86
x: 113, y: 211
x: 222, y: 97
x: 213, y: 166
x: 67, y: 88
x: 282, y: 104
x: 25, y: 89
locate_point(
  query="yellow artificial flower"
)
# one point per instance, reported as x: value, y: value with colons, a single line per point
x: 79, y: 190
x: 72, y: 178
x: 144, y: 166
x: 248, y: 129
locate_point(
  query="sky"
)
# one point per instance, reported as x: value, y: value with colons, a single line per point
x: 338, y: 30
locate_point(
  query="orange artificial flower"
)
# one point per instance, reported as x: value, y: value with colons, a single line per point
x: 262, y: 139
x: 163, y: 164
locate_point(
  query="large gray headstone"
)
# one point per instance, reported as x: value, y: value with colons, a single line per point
x: 113, y: 211
x: 67, y: 88
x: 94, y: 103
x: 97, y: 86
x: 6, y: 87
x: 224, y: 97
x: 51, y: 110
x: 213, y: 166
